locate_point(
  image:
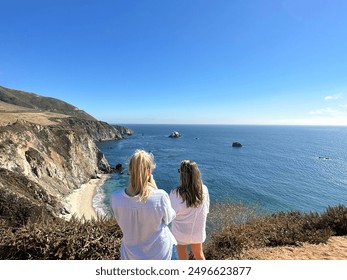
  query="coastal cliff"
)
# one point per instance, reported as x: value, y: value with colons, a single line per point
x: 45, y: 155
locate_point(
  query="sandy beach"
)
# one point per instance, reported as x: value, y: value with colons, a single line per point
x: 80, y: 202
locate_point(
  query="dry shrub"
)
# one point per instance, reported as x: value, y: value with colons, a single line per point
x: 97, y: 239
x: 335, y: 218
x: 226, y: 213
x: 279, y: 229
x: 17, y: 210
x: 238, y: 228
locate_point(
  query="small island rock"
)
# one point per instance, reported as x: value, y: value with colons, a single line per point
x: 175, y: 134
x: 119, y: 168
x: 236, y: 145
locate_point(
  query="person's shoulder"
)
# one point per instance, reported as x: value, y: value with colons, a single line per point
x: 158, y: 195
x: 205, y: 189
x: 173, y: 191
x: 174, y: 195
x: 159, y: 192
x: 117, y: 193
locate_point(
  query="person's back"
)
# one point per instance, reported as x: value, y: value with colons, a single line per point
x: 143, y: 213
x: 189, y: 226
x: 191, y: 203
x: 144, y: 225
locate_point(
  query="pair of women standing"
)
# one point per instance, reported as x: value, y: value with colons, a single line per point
x: 144, y: 212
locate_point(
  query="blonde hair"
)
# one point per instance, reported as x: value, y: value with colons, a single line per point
x: 139, y: 164
x: 190, y: 189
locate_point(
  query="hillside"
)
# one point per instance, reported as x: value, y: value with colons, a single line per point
x: 38, y: 103
x: 10, y: 113
x: 47, y: 150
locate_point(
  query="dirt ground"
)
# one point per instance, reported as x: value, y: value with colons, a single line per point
x: 334, y: 249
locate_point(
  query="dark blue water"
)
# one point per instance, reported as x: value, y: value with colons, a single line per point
x: 279, y: 168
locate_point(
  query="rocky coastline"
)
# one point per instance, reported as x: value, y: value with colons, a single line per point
x: 49, y: 158
x: 41, y: 163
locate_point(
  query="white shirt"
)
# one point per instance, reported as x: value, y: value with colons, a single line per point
x: 146, y: 235
x: 189, y: 226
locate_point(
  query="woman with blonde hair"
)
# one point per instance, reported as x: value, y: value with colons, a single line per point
x: 191, y: 202
x: 143, y: 213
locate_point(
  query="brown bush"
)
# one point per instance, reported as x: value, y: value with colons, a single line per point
x: 17, y: 210
x: 99, y: 239
x: 226, y: 213
x: 279, y: 229
x: 76, y: 239
x: 335, y: 218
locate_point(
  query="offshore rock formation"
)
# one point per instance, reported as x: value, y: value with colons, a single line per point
x: 175, y: 134
x: 236, y: 145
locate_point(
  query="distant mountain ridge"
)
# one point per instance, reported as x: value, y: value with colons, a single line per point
x: 38, y: 102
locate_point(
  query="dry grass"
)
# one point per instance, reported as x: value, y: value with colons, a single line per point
x: 334, y: 249
x: 99, y: 239
x: 10, y: 113
x: 279, y: 229
x: 227, y: 213
x: 46, y: 118
x: 58, y: 239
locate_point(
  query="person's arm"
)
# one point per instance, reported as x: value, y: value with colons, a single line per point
x: 208, y: 200
x: 169, y: 212
x: 173, y: 199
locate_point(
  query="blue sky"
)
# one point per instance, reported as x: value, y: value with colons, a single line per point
x: 183, y: 61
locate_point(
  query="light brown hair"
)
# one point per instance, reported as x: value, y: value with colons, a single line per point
x: 190, y: 189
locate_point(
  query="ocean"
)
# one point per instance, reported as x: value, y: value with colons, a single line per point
x: 278, y: 168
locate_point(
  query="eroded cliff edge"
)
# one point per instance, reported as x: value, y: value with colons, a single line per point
x: 41, y: 162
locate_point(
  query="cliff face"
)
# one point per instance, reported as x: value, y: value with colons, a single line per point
x: 44, y: 158
x: 98, y: 130
x: 58, y: 157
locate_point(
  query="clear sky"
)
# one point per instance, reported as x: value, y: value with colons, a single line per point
x: 182, y: 61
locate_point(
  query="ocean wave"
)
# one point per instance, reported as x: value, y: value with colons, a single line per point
x: 99, y: 202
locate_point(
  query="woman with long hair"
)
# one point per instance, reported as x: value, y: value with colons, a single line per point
x: 143, y: 213
x: 191, y: 203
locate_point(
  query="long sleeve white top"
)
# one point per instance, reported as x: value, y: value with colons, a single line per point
x: 189, y: 226
x: 144, y: 224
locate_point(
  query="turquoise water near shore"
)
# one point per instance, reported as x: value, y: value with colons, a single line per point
x: 279, y: 168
